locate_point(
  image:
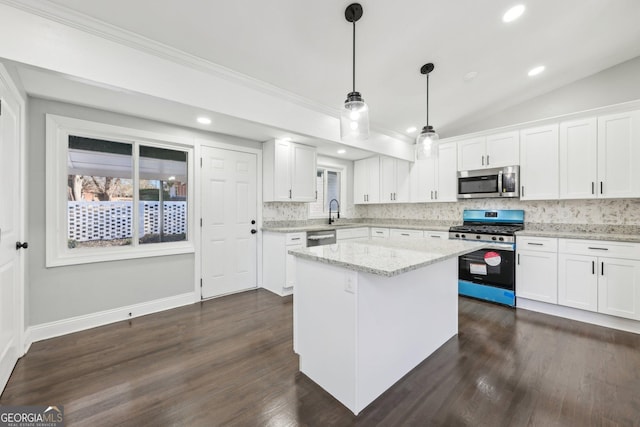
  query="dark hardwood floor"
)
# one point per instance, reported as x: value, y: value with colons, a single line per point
x: 229, y: 361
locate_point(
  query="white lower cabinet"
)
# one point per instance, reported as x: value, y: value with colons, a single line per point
x: 600, y: 276
x: 279, y: 268
x: 343, y: 234
x: 379, y: 233
x: 537, y: 269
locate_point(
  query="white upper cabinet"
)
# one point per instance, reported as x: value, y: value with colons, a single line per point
x: 578, y: 159
x: 539, y: 169
x: 492, y: 151
x: 619, y: 155
x: 394, y: 180
x: 289, y: 172
x: 435, y: 179
x: 366, y: 181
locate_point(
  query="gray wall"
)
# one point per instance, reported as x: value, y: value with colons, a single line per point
x: 64, y: 292
x: 614, y: 85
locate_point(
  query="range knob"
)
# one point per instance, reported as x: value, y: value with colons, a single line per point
x: 463, y: 236
x: 477, y: 236
x: 493, y: 238
x: 501, y: 239
x: 457, y: 235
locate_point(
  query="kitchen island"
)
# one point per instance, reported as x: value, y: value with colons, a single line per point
x: 366, y: 312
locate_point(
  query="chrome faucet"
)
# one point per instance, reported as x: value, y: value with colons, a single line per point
x: 331, y: 220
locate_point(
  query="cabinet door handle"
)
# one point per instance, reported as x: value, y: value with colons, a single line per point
x: 522, y: 191
x: 487, y: 160
x: 601, y: 189
x: 593, y: 267
x: 518, y: 259
x: 482, y: 160
x: 436, y: 192
x: 593, y: 187
x: 316, y: 194
x: 602, y: 268
x: 431, y: 194
x: 289, y: 193
x: 598, y: 249
x: 535, y: 244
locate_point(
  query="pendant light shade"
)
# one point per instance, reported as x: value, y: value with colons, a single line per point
x: 427, y: 141
x: 354, y: 117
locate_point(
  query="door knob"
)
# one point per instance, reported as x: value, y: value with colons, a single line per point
x: 254, y: 231
x: 21, y: 245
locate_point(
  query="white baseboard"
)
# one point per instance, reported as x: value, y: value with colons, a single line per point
x: 580, y: 315
x: 80, y: 323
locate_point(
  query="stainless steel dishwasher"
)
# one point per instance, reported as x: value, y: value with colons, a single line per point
x: 319, y: 238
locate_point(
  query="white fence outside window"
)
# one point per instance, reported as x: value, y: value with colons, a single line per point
x: 113, y: 220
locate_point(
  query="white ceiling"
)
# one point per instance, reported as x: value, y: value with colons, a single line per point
x: 304, y: 47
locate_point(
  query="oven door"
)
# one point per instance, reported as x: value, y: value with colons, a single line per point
x: 492, y: 267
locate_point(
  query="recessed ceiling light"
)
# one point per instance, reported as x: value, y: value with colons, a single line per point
x: 470, y: 75
x: 341, y: 151
x: 204, y: 120
x: 514, y: 13
x: 535, y: 71
x: 412, y: 129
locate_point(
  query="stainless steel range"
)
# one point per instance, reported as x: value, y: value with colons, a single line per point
x: 489, y: 273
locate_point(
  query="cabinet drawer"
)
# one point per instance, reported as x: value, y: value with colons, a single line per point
x: 625, y: 250
x: 400, y: 233
x: 295, y: 239
x: 540, y: 244
x: 352, y: 233
x: 432, y: 234
x: 380, y: 232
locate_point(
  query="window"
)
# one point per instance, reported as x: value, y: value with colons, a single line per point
x: 329, y: 187
x: 114, y: 193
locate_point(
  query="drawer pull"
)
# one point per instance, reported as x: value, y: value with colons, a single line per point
x: 598, y: 249
x: 435, y: 237
x: 295, y: 238
x: 404, y: 234
x: 535, y: 244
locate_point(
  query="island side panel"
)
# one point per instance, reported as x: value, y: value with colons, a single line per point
x: 325, y: 328
x: 401, y: 321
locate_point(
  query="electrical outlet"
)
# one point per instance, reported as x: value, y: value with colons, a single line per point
x: 349, y: 284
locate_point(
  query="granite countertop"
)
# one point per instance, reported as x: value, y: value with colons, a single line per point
x: 612, y: 233
x: 387, y: 257
x: 299, y: 226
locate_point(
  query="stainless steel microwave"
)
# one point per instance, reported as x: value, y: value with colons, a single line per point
x: 483, y: 183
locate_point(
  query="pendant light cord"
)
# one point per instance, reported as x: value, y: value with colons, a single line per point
x: 354, y: 56
x: 427, y: 100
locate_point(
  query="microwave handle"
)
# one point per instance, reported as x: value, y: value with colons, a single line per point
x: 500, y: 182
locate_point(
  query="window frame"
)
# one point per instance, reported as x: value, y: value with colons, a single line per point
x: 327, y: 166
x: 58, y: 129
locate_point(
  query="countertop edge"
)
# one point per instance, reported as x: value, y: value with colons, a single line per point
x: 581, y: 235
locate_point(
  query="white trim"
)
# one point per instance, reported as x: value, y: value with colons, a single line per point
x: 57, y: 130
x: 580, y: 315
x: 80, y: 323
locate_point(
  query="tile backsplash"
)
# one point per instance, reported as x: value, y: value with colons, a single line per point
x: 612, y: 211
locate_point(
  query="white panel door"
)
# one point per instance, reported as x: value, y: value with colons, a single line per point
x: 578, y: 281
x: 229, y: 199
x: 578, y: 159
x: 10, y: 275
x: 539, y: 170
x: 360, y: 182
x: 373, y: 180
x: 619, y: 287
x: 619, y: 155
x: 387, y: 179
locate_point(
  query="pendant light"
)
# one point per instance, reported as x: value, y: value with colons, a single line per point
x: 354, y: 118
x: 427, y: 141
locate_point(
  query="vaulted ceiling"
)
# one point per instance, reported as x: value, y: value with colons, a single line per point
x: 304, y: 47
